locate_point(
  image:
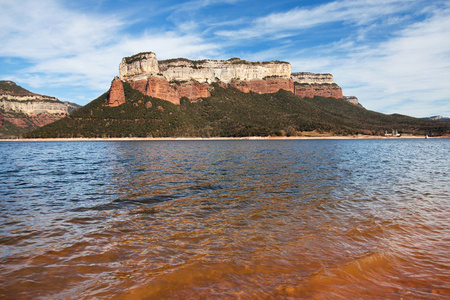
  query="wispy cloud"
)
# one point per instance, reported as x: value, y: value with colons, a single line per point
x: 412, y: 67
x: 406, y: 70
x: 66, y: 47
x: 39, y: 30
x: 358, y: 12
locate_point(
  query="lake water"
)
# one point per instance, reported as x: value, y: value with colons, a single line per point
x: 236, y: 219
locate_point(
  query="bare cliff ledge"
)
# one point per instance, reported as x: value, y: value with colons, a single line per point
x: 176, y: 78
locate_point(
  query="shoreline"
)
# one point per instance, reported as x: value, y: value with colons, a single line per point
x: 325, y: 137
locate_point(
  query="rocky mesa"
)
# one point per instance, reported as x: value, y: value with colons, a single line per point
x: 174, y: 79
x: 14, y: 98
x: 24, y: 110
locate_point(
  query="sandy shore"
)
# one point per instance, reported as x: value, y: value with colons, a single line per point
x: 321, y: 137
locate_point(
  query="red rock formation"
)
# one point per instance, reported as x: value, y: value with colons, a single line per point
x: 323, y: 90
x: 176, y: 78
x: 116, y: 95
x: 1, y: 120
x: 264, y: 86
x: 193, y: 90
x: 159, y: 87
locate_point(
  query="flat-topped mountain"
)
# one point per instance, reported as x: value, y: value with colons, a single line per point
x: 231, y: 98
x: 145, y: 65
x: 22, y: 110
x: 174, y: 79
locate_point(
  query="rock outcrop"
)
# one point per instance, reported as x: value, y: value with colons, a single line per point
x: 25, y: 109
x: 145, y: 65
x: 176, y: 78
x: 159, y: 87
x: 322, y: 90
x: 264, y: 86
x: 31, y: 107
x: 312, y: 78
x: 310, y: 84
x: 116, y: 94
x: 352, y: 100
x: 17, y: 99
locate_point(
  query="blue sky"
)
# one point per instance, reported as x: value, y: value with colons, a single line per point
x: 394, y: 55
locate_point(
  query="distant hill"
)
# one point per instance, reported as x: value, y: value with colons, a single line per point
x: 439, y: 118
x: 22, y: 110
x: 229, y: 112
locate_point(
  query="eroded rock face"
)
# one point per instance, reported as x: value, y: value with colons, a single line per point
x: 37, y: 107
x: 159, y: 87
x: 208, y: 71
x: 27, y: 110
x: 264, y: 86
x: 193, y: 90
x: 139, y: 66
x: 176, y: 78
x: 322, y: 90
x: 16, y: 99
x: 144, y: 65
x: 312, y: 78
x: 116, y: 95
x: 353, y: 100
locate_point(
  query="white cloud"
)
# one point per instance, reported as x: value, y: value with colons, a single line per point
x: 42, y: 29
x: 350, y: 11
x: 406, y: 73
x: 70, y: 48
x: 398, y: 74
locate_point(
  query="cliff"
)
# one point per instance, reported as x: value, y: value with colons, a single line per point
x: 14, y: 98
x: 353, y: 100
x: 176, y: 78
x: 312, y: 78
x: 26, y: 110
x: 145, y: 65
x: 35, y: 107
x: 229, y: 112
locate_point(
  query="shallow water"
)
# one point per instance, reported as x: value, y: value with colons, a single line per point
x: 308, y: 219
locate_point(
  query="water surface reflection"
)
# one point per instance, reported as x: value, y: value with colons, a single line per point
x: 225, y: 219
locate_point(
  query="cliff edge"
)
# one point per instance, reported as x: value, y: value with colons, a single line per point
x: 174, y: 79
x: 23, y: 110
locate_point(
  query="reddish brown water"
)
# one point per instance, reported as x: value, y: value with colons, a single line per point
x: 225, y: 220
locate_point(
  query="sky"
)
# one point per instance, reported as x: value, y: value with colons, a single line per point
x: 394, y: 55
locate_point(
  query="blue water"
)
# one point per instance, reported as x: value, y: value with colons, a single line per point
x: 225, y: 219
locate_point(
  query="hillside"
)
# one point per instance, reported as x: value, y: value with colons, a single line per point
x: 229, y: 112
x: 22, y: 110
x: 11, y: 88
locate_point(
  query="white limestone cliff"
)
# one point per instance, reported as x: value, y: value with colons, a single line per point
x: 145, y: 65
x: 37, y: 107
x: 312, y: 78
x: 14, y: 98
x: 139, y: 66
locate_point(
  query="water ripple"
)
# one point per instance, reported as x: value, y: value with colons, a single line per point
x: 225, y: 219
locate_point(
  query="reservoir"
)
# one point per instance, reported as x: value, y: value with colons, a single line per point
x: 225, y: 219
